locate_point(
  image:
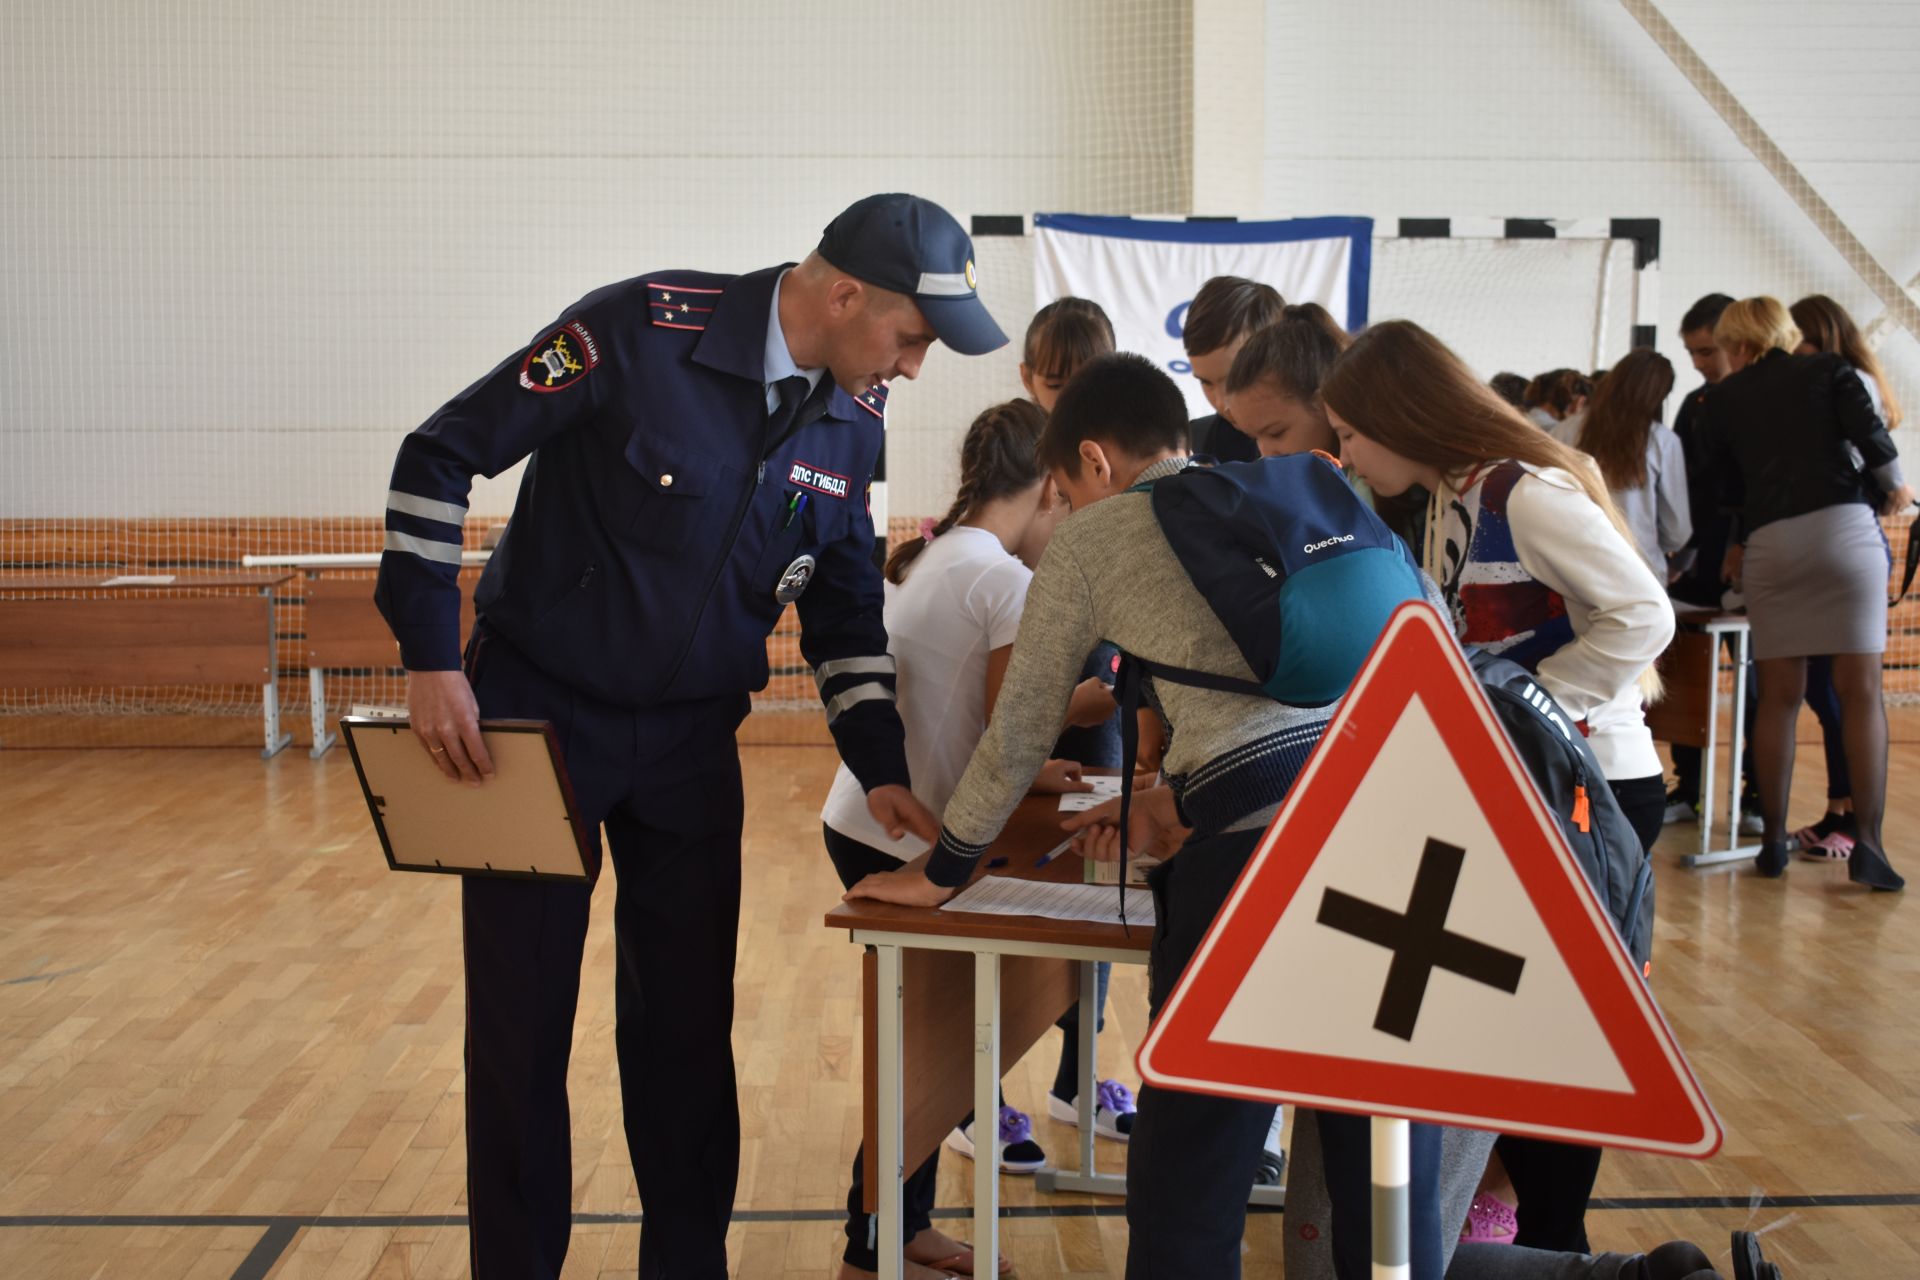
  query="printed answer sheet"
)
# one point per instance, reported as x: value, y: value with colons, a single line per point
x: 1104, y: 789
x: 1094, y: 903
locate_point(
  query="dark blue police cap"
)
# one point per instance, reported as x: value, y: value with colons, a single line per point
x: 913, y: 246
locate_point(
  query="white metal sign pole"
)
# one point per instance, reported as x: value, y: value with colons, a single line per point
x: 1391, y: 1167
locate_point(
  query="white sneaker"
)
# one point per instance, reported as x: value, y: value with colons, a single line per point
x: 1273, y: 1161
x: 1113, y: 1110
x: 1679, y: 811
x: 1019, y: 1153
x: 1752, y: 824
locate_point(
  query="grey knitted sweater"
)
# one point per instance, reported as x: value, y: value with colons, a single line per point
x: 1109, y: 574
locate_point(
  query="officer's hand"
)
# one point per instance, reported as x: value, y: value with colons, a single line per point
x: 901, y: 813
x: 446, y: 719
x: 1059, y: 777
x: 907, y: 887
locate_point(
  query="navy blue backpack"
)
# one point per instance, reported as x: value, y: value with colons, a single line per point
x: 1297, y: 567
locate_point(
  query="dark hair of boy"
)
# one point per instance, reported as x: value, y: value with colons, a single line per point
x: 1228, y: 307
x: 997, y: 460
x: 1065, y: 334
x: 1705, y: 313
x: 1293, y: 353
x: 1123, y: 401
x: 1510, y: 387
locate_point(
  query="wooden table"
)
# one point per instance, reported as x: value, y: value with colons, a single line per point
x: 1023, y: 972
x: 187, y: 628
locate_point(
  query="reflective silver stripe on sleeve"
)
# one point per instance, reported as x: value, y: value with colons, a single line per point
x: 425, y: 508
x: 425, y: 548
x: 858, y: 694
x: 944, y: 284
x: 880, y: 666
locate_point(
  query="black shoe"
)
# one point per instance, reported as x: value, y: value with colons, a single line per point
x: 1869, y: 866
x: 1674, y: 1260
x: 1748, y: 1260
x: 1772, y: 861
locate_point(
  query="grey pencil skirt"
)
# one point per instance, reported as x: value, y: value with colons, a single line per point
x: 1817, y: 584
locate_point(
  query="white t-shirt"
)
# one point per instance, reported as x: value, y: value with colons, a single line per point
x: 961, y: 600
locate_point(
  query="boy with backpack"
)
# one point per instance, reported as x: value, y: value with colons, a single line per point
x: 1110, y: 573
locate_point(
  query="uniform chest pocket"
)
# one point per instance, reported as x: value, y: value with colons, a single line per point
x: 680, y: 498
x: 796, y: 546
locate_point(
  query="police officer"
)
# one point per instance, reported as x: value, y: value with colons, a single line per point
x: 701, y: 447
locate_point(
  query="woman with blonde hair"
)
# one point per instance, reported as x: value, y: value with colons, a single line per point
x: 1536, y: 565
x: 1809, y: 458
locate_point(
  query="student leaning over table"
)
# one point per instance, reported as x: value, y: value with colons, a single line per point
x: 1110, y: 574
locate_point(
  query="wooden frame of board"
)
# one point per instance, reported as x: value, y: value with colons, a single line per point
x: 523, y: 824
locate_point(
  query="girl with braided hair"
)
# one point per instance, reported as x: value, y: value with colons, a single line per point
x: 954, y: 599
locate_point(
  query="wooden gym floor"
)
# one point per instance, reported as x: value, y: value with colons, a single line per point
x: 230, y: 1044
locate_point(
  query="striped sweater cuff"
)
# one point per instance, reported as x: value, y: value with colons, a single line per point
x: 952, y: 860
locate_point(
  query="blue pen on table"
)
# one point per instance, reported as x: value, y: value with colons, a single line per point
x: 1053, y: 853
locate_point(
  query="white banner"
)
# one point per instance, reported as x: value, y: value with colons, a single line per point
x: 1144, y: 272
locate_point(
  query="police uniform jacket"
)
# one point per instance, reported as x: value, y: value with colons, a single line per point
x: 661, y: 509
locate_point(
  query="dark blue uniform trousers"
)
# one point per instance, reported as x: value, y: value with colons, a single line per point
x: 665, y: 782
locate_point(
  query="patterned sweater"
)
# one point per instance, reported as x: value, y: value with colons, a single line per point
x: 1534, y: 571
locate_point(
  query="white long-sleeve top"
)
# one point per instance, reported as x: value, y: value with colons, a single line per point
x: 1542, y: 576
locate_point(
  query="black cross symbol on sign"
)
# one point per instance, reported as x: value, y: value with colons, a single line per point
x: 1420, y: 940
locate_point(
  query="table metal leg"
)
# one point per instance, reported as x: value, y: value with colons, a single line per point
x: 986, y: 1113
x: 1086, y: 1178
x: 892, y: 1136
x: 1710, y: 755
x: 1735, y: 851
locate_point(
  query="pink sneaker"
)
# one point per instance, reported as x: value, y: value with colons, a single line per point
x: 1490, y: 1221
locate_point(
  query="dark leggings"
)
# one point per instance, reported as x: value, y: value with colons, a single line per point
x: 1825, y: 701
x: 1553, y: 1180
x: 1863, y: 732
x: 856, y: 861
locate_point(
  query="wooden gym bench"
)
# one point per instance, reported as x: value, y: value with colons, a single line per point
x: 63, y: 631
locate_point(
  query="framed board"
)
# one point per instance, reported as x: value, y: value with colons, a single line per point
x: 523, y: 823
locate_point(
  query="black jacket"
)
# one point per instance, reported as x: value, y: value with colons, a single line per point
x: 1779, y: 431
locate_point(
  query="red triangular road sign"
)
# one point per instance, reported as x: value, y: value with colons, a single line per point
x: 1413, y: 938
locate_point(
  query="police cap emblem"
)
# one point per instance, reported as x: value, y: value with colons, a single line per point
x: 794, y: 581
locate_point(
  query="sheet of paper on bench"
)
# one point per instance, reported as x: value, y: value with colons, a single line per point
x: 140, y: 580
x: 1104, y: 789
x: 1094, y: 903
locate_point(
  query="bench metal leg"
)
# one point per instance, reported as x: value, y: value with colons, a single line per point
x: 276, y: 741
x: 317, y: 713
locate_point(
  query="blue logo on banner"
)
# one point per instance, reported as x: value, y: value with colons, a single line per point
x: 1177, y: 325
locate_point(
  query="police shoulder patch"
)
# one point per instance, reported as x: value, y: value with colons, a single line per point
x: 676, y: 306
x: 874, y: 400
x: 560, y: 359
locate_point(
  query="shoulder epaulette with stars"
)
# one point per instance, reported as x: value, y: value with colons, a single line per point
x: 673, y: 306
x: 874, y: 400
